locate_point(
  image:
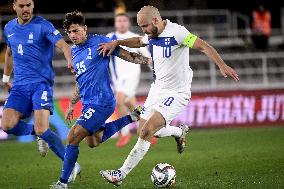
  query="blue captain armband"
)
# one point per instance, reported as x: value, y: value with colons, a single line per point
x: 189, y: 40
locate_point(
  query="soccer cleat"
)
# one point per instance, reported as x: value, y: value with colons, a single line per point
x: 112, y: 176
x: 181, y: 141
x: 135, y: 114
x: 42, y: 146
x: 76, y: 171
x: 58, y: 185
x: 123, y: 140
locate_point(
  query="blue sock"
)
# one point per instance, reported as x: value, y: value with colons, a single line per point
x: 54, y: 143
x: 70, y: 158
x: 21, y: 129
x: 112, y: 127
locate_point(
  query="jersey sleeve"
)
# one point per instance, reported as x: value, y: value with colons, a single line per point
x: 52, y: 34
x: 184, y: 37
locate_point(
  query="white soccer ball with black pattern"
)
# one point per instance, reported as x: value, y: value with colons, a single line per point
x: 163, y: 175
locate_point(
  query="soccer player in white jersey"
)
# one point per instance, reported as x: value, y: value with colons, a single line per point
x: 125, y: 76
x: 169, y: 45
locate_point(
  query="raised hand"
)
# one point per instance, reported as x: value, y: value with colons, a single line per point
x: 227, y: 70
x: 107, y: 48
x: 69, y: 114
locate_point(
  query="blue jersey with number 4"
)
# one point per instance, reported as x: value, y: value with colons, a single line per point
x: 92, y: 72
x: 32, y: 48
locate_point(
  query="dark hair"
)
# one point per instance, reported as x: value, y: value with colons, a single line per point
x: 75, y: 17
x: 122, y: 14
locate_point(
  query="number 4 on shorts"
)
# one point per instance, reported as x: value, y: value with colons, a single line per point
x: 44, y: 95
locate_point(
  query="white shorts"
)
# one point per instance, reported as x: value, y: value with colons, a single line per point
x: 127, y: 85
x: 169, y: 103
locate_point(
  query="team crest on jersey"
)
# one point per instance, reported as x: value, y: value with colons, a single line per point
x: 31, y: 37
x: 167, y: 41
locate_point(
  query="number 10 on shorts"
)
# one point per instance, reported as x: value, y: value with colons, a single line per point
x: 168, y: 101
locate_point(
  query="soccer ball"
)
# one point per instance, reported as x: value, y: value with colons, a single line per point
x: 163, y: 175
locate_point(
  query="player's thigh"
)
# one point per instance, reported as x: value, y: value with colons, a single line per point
x: 42, y: 97
x: 155, y: 122
x: 41, y: 121
x: 10, y: 118
x: 76, y: 134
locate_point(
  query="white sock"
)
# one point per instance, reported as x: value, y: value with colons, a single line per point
x: 135, y: 156
x: 169, y: 131
x: 125, y: 130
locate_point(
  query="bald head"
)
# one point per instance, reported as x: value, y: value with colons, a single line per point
x: 150, y: 21
x: 148, y: 13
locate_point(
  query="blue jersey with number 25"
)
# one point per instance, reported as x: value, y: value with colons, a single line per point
x: 92, y: 71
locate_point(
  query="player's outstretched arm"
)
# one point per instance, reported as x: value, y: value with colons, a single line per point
x: 108, y: 48
x: 61, y: 44
x: 207, y: 49
x: 8, y: 69
x: 75, y: 98
x: 134, y: 57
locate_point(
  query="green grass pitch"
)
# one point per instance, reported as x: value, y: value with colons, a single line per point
x: 215, y: 158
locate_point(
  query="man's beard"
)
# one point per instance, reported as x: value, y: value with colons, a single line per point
x: 154, y: 32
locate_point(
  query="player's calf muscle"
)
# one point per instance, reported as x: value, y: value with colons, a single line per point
x: 154, y: 123
x: 76, y: 135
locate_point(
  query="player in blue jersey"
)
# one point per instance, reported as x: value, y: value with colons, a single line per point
x: 92, y: 76
x: 30, y: 42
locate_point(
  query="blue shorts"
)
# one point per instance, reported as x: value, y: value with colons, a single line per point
x: 93, y: 117
x: 27, y: 98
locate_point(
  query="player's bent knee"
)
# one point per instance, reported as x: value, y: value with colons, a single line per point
x: 145, y: 133
x: 8, y: 123
x: 76, y: 135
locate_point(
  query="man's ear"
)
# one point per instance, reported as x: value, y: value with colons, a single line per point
x: 14, y: 6
x: 86, y: 28
x: 155, y: 21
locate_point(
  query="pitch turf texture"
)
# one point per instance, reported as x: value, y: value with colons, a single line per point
x: 215, y: 158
